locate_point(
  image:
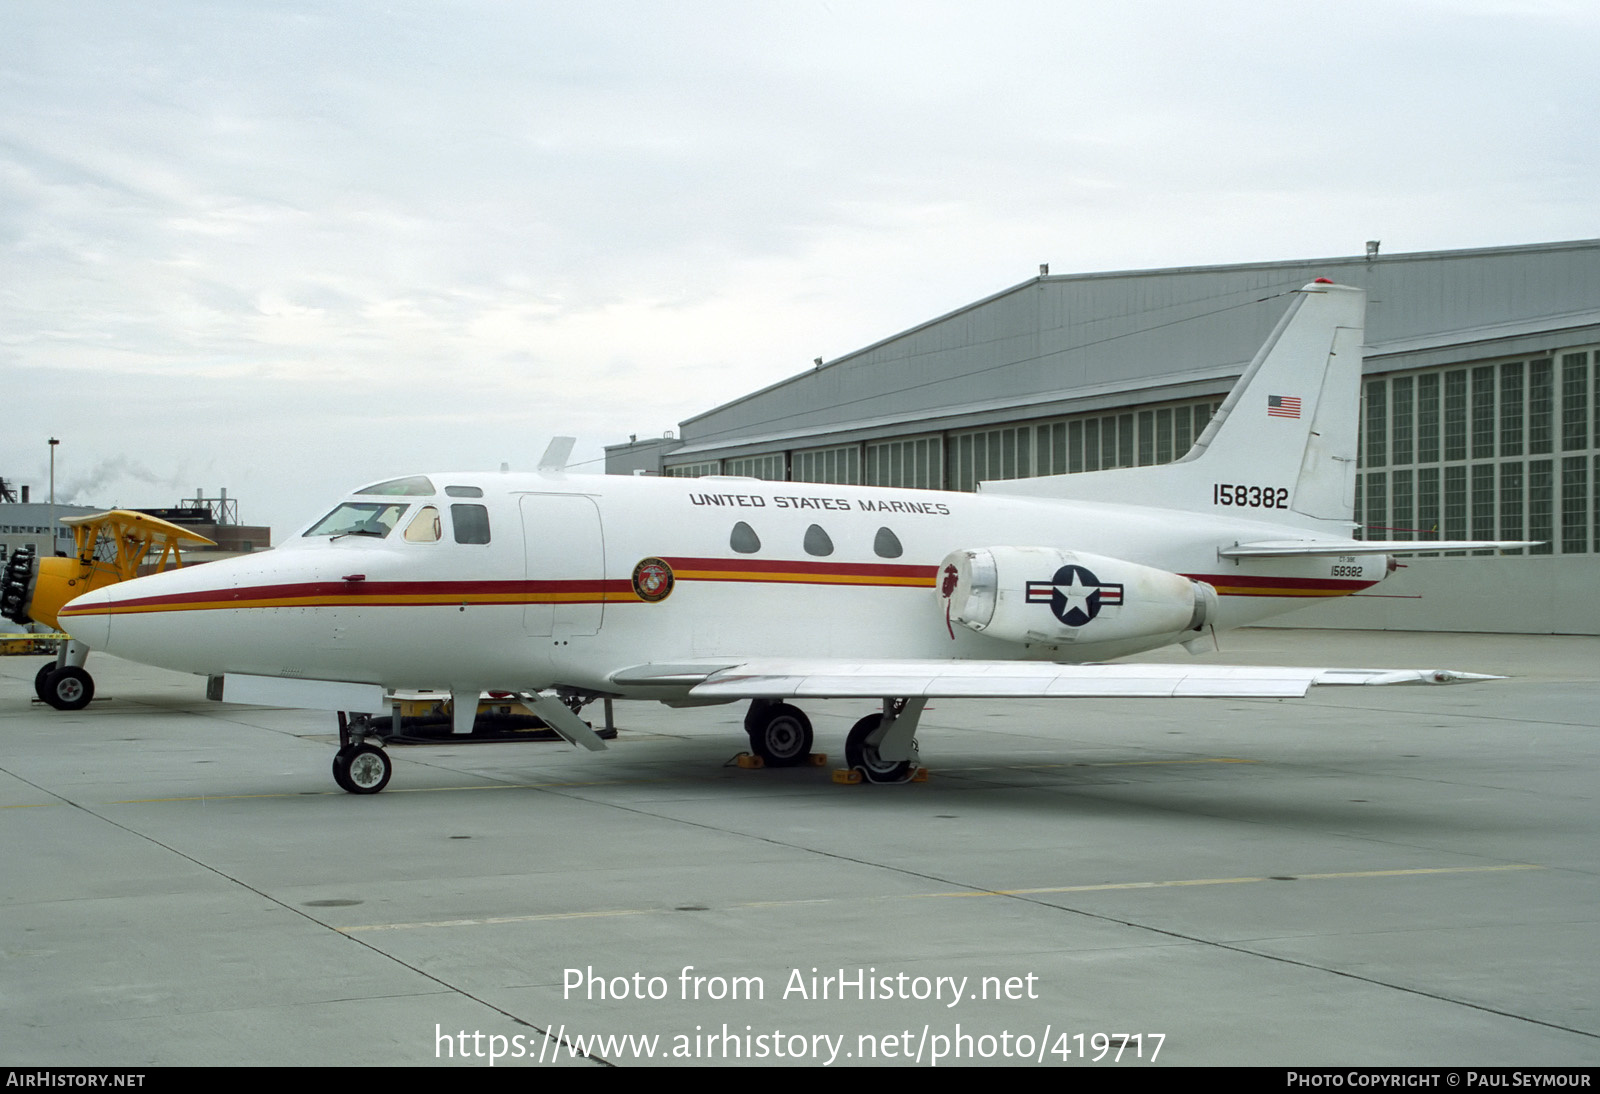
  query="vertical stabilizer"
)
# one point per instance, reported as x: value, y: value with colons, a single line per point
x: 1282, y: 447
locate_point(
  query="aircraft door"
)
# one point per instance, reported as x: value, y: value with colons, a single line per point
x: 566, y: 565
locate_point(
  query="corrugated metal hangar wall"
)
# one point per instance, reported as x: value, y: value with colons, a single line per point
x: 1481, y: 410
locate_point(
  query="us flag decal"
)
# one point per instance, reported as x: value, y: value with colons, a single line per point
x: 1283, y: 406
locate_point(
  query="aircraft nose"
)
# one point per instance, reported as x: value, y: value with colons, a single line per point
x: 87, y: 620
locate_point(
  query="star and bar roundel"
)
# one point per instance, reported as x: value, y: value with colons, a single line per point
x: 1075, y: 595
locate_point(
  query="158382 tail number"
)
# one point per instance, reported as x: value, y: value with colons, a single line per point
x: 1250, y: 497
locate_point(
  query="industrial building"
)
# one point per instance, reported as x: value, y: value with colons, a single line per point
x: 1481, y: 410
x: 25, y: 523
x: 28, y: 523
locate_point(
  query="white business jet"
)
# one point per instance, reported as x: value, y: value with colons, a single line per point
x: 567, y: 588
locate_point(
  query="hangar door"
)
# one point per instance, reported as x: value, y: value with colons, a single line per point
x: 566, y: 564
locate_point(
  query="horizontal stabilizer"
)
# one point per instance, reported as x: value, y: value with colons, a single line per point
x: 825, y: 679
x: 1322, y: 548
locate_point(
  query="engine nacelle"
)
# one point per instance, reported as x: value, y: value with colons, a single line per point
x: 1047, y: 595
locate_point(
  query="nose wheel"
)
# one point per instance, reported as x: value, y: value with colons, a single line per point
x: 362, y: 769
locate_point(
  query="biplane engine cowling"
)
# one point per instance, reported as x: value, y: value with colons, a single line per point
x: 1047, y: 595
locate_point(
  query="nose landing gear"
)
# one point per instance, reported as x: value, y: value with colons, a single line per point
x: 359, y: 767
x: 362, y: 768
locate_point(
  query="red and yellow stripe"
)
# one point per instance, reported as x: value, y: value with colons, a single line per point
x: 880, y: 574
x: 1238, y: 585
x: 322, y: 594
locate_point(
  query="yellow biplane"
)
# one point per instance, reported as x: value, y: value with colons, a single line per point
x: 108, y: 548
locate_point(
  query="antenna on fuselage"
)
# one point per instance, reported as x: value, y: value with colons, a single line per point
x: 555, y: 456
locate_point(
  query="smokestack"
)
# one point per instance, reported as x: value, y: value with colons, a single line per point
x: 24, y: 494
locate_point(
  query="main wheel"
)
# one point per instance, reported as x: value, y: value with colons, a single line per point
x: 368, y: 769
x: 783, y: 737
x: 859, y: 754
x: 68, y: 688
x: 41, y: 682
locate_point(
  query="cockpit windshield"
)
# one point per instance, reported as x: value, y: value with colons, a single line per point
x: 359, y: 518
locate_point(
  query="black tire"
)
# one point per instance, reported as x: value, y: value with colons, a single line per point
x: 756, y: 713
x: 864, y: 757
x: 368, y: 769
x: 783, y: 737
x: 341, y: 769
x: 42, y: 681
x: 69, y: 688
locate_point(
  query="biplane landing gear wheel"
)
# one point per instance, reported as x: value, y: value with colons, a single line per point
x: 781, y: 736
x: 68, y: 688
x: 859, y: 754
x: 42, y: 680
x: 362, y: 769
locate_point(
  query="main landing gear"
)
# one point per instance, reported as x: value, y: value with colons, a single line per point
x: 881, y: 746
x: 779, y: 733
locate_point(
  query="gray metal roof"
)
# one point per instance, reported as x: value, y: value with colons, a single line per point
x: 1068, y: 343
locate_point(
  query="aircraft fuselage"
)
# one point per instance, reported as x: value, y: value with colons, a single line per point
x: 564, y: 580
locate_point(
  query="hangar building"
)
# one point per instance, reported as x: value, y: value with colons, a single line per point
x: 1480, y: 419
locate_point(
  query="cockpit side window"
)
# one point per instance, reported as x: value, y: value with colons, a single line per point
x: 424, y: 527
x: 360, y: 518
x: 471, y: 523
x: 413, y: 486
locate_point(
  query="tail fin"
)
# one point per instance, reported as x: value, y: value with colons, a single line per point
x: 1282, y: 447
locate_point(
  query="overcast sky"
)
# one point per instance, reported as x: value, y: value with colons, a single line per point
x: 287, y: 248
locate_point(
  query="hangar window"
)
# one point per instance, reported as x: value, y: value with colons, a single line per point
x: 471, y: 523
x: 413, y: 486
x: 359, y: 518
x: 744, y: 539
x: 817, y: 541
x: 838, y: 464
x: 464, y: 491
x: 424, y: 527
x: 886, y: 544
x: 693, y: 470
x: 771, y: 466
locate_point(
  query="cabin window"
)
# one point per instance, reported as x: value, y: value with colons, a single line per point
x: 464, y: 491
x: 471, y: 523
x: 424, y: 527
x: 817, y: 541
x: 744, y: 539
x: 413, y: 486
x: 359, y: 518
x: 886, y: 544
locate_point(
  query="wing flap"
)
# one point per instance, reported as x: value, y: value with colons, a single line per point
x: 831, y: 679
x: 1323, y: 548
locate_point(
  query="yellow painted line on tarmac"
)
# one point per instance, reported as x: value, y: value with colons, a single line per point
x: 811, y: 901
x: 497, y: 920
x: 1239, y: 880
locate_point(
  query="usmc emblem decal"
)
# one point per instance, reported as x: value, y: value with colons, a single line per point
x: 652, y: 580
